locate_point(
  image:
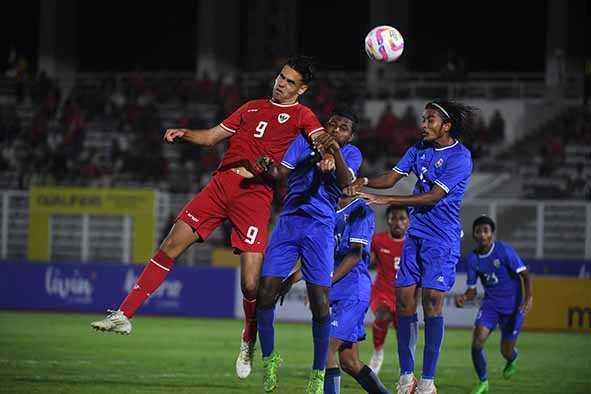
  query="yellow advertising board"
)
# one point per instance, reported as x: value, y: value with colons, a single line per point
x: 47, y: 201
x: 560, y: 304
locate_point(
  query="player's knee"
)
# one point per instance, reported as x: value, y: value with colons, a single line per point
x: 250, y: 287
x: 432, y: 304
x: 265, y: 295
x: 349, y: 364
x: 383, y: 314
x: 477, y: 344
x: 320, y: 312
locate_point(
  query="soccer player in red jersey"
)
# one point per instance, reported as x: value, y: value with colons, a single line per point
x: 237, y: 192
x: 386, y: 249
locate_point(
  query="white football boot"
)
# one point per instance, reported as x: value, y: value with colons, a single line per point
x: 245, y: 359
x: 115, y: 322
x: 407, y: 384
x: 377, y: 358
x: 426, y: 386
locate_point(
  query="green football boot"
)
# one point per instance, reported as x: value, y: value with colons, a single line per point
x: 481, y: 388
x: 510, y: 369
x: 316, y: 382
x: 270, y: 366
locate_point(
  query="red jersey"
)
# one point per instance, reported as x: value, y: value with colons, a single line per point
x: 264, y: 128
x: 387, y: 252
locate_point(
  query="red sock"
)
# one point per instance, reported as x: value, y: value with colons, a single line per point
x: 151, y: 278
x: 250, y: 320
x: 380, y: 330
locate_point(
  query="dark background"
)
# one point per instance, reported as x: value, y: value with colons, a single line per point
x: 128, y: 35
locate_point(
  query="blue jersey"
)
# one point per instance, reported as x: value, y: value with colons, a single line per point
x: 355, y: 223
x: 450, y: 168
x: 309, y: 189
x: 498, y: 271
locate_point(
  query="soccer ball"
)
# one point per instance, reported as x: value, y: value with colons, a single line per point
x: 384, y: 44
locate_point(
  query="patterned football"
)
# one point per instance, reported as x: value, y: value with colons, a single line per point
x: 384, y: 44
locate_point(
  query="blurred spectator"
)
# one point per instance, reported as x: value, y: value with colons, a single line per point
x: 386, y: 124
x: 579, y: 184
x: 496, y: 127
x: 556, y: 74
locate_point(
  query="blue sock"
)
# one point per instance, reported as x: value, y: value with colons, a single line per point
x: 408, y: 331
x: 332, y: 381
x: 265, y: 318
x: 479, y: 361
x: 320, y: 333
x: 434, y: 328
x: 370, y: 382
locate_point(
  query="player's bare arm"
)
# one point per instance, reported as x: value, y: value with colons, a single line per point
x: 344, y: 176
x: 423, y: 199
x: 204, y: 137
x: 469, y: 295
x: 348, y: 262
x: 528, y: 299
x: 383, y: 181
x: 265, y: 165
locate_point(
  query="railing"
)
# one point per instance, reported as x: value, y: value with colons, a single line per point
x: 407, y: 85
x: 540, y: 229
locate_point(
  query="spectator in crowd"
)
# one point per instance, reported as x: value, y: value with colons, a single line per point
x: 496, y: 127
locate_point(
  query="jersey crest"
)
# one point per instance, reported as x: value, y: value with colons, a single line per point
x: 282, y: 117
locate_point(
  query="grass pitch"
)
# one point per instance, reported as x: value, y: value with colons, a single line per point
x: 59, y: 353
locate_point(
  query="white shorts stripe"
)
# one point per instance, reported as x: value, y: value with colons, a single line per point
x: 159, y: 265
x: 286, y: 164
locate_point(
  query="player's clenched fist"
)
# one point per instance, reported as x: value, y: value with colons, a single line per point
x: 171, y: 134
x: 262, y: 164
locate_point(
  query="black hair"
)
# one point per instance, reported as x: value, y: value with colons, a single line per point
x: 346, y: 111
x: 392, y: 208
x: 303, y: 65
x: 483, y: 219
x: 458, y: 114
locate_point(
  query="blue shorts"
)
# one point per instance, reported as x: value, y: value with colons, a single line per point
x: 346, y: 320
x: 427, y: 264
x: 510, y: 323
x: 299, y: 235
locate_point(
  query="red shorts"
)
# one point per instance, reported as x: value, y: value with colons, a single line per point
x: 246, y: 203
x: 382, y: 295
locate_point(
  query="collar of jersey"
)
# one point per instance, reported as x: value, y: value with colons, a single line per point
x: 489, y: 252
x: 347, y: 206
x: 283, y: 105
x: 447, y: 147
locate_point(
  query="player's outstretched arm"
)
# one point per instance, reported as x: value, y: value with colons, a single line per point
x: 349, y: 261
x: 423, y: 199
x: 383, y: 181
x: 469, y: 295
x: 204, y: 137
x: 528, y: 300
